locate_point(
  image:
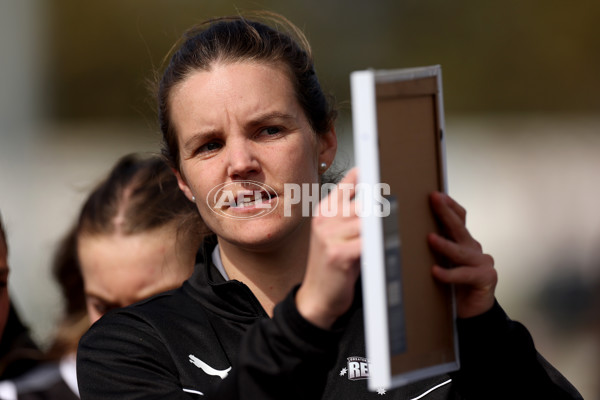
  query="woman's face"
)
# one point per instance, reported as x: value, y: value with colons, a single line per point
x: 119, y: 270
x: 241, y: 122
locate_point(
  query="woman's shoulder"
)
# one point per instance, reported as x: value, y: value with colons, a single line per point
x: 152, y: 326
x: 156, y: 313
x: 151, y: 341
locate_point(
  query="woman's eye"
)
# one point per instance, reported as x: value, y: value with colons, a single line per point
x: 272, y: 130
x: 208, y: 147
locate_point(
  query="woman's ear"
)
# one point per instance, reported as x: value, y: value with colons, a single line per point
x: 182, y: 183
x: 327, y: 147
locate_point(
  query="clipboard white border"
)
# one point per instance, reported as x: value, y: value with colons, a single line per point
x: 364, y: 120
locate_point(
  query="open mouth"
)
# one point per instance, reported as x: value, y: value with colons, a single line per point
x: 252, y: 199
x: 242, y: 199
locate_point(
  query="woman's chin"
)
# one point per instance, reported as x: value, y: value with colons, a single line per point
x: 262, y: 233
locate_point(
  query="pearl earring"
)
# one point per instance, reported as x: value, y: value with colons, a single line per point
x: 194, y: 199
x: 323, y: 166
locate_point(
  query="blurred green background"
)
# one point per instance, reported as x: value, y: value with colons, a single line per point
x: 509, y: 56
x: 521, y: 82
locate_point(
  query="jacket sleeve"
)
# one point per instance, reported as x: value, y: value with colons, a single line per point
x: 499, y: 361
x: 285, y: 357
x: 121, y: 357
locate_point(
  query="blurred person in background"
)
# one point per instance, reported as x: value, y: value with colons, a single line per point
x: 136, y: 236
x: 18, y: 352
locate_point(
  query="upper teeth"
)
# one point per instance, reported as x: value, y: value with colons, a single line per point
x: 248, y: 197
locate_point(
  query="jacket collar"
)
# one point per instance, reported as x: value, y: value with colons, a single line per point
x: 230, y: 299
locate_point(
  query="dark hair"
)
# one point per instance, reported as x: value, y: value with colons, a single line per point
x: 66, y: 271
x: 235, y: 38
x: 139, y: 194
x: 75, y: 321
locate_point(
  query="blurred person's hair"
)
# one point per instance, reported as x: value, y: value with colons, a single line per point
x: 75, y: 321
x: 140, y: 194
x: 66, y: 271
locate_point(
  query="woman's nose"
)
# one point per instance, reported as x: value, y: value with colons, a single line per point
x: 242, y: 160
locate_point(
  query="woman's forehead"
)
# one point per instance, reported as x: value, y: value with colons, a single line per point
x: 247, y: 89
x: 236, y: 74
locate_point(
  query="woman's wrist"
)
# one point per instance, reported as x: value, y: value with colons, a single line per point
x: 312, y: 311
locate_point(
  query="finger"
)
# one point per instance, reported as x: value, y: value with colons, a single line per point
x: 352, y: 247
x: 347, y: 186
x: 452, y: 216
x: 343, y: 255
x: 483, y: 278
x: 342, y: 229
x: 350, y: 228
x: 351, y: 176
x: 339, y: 201
x: 459, y: 254
x: 457, y: 208
x: 475, y: 288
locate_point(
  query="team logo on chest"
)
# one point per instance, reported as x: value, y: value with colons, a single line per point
x: 356, y: 368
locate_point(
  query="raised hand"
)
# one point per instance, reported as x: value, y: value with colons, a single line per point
x: 473, y: 272
x: 333, y: 266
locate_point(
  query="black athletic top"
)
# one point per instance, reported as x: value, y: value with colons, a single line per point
x: 211, y: 339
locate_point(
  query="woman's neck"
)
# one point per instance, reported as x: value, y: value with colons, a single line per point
x: 272, y: 273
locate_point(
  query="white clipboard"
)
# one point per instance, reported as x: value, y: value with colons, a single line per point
x: 410, y: 319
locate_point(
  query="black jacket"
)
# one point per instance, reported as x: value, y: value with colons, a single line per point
x: 18, y: 352
x: 211, y: 339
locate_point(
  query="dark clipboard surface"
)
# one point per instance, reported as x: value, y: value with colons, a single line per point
x: 398, y: 129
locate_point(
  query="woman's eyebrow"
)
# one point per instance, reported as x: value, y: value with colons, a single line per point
x: 199, y: 137
x: 270, y: 116
x: 208, y: 134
